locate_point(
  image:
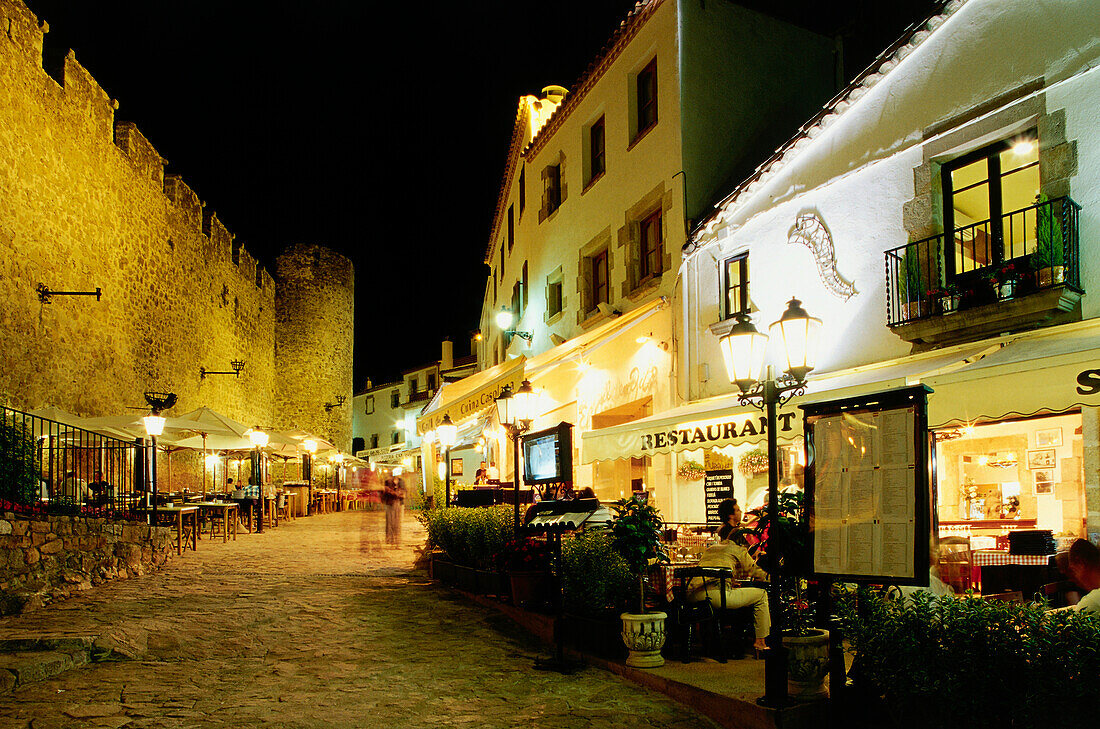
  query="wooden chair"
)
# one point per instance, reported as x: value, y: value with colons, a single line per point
x: 955, y: 564
x: 725, y: 624
x: 281, y: 511
x: 1060, y: 594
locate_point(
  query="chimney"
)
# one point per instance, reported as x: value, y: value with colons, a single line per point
x: 368, y: 383
x: 447, y: 361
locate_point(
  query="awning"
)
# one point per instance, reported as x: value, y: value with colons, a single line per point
x: 723, y: 421
x: 471, y: 395
x: 1048, y: 371
x: 389, y: 458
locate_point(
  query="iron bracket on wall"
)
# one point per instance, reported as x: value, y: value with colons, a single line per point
x: 44, y: 293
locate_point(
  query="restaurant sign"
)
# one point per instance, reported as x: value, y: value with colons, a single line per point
x: 736, y: 429
x: 479, y: 394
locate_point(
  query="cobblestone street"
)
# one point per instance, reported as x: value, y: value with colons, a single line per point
x: 313, y: 624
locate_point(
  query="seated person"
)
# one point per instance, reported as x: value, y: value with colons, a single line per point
x: 1084, y: 569
x: 99, y: 489
x: 736, y: 558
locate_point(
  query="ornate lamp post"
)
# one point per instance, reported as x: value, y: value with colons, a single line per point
x: 310, y: 447
x: 338, y: 461
x: 259, y: 439
x: 448, y: 434
x: 515, y: 411
x: 743, y: 350
x: 154, y: 426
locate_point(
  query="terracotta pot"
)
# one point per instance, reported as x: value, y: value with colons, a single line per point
x: 644, y: 636
x: 1053, y: 276
x: 807, y: 664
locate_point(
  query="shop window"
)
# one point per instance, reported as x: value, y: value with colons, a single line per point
x: 988, y: 199
x: 646, y: 96
x: 650, y: 247
x: 370, y: 404
x: 735, y: 285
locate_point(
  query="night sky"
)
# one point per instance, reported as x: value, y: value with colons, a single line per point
x: 377, y: 129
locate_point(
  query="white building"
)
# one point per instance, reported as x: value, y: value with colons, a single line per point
x: 887, y: 215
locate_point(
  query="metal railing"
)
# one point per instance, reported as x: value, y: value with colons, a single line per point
x: 1019, y: 253
x: 51, y: 467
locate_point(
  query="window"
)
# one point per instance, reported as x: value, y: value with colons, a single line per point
x: 511, y: 229
x: 984, y: 196
x: 431, y: 380
x: 395, y: 437
x: 370, y: 404
x: 596, y: 150
x: 553, y: 188
x: 523, y: 290
x: 517, y: 303
x: 600, y: 286
x: 735, y: 283
x: 395, y: 399
x: 553, y: 298
x: 501, y: 269
x: 522, y: 189
x: 650, y: 247
x: 647, y: 97
x: 374, y: 440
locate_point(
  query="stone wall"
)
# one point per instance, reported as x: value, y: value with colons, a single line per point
x: 86, y: 205
x: 315, y: 305
x: 47, y: 558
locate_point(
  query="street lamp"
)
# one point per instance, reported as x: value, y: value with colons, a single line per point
x: 259, y: 439
x: 310, y: 447
x: 743, y: 349
x: 505, y: 319
x: 338, y: 459
x: 448, y: 434
x: 154, y: 426
x: 515, y: 411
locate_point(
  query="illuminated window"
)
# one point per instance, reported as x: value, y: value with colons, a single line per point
x: 735, y: 284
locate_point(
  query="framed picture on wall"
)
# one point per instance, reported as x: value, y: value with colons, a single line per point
x: 1048, y: 437
x: 1044, y: 481
x: 1043, y: 458
x: 456, y: 466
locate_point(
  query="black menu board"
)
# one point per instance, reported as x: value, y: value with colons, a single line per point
x: 719, y: 486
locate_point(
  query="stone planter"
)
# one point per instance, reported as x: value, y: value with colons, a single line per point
x: 1053, y: 276
x: 644, y: 636
x: 807, y: 664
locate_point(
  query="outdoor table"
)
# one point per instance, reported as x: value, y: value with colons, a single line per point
x: 999, y: 558
x: 181, y: 515
x: 220, y: 509
x: 301, y: 493
x: 664, y: 580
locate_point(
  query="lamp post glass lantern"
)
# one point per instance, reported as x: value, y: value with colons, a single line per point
x: 448, y: 433
x: 154, y: 426
x: 259, y: 440
x: 515, y: 412
x: 744, y: 349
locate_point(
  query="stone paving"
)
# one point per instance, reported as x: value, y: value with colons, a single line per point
x: 313, y: 624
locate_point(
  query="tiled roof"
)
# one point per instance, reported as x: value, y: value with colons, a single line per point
x: 627, y: 29
x: 886, y: 62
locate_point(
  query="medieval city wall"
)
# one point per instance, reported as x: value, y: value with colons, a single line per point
x: 85, y: 203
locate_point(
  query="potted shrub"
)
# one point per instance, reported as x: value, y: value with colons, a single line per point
x: 911, y: 284
x: 807, y: 646
x: 1049, y: 256
x: 525, y: 562
x: 597, y: 584
x: 637, y: 535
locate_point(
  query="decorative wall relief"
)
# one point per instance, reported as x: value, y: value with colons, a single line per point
x: 810, y: 231
x: 638, y: 384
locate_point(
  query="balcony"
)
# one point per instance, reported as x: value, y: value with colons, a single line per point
x: 1004, y: 274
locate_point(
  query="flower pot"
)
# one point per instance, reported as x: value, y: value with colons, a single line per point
x: 644, y: 636
x: 912, y: 310
x: 1006, y: 289
x: 1053, y: 276
x: 807, y: 664
x: 949, y: 303
x: 527, y: 587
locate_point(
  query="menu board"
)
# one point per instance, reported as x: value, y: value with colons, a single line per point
x: 867, y: 488
x: 719, y: 486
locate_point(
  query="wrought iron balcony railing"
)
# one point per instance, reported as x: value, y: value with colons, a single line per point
x: 1021, y: 253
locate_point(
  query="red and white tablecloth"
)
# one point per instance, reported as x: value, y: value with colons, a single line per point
x: 986, y: 557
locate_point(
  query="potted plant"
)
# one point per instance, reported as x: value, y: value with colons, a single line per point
x: 1004, y: 277
x: 1049, y: 256
x: 947, y: 296
x: 597, y: 584
x: 637, y: 533
x: 807, y: 646
x: 526, y: 562
x: 752, y: 463
x: 910, y: 284
x: 691, y: 470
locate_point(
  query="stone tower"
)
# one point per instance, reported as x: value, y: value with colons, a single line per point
x: 314, y: 335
